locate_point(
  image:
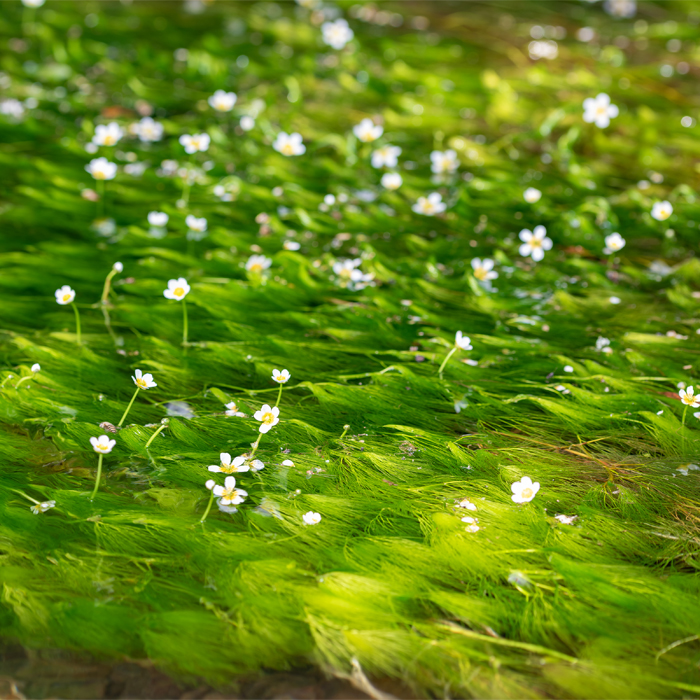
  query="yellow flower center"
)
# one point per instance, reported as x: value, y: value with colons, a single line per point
x: 178, y: 291
x: 66, y: 297
x: 535, y: 242
x: 255, y: 267
x: 268, y: 417
x: 526, y: 493
x: 602, y: 109
x: 428, y: 207
x: 480, y: 273
x: 141, y: 383
x: 288, y: 149
x: 689, y: 399
x: 109, y: 140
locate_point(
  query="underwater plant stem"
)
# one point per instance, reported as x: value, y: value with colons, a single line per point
x: 206, y: 512
x: 255, y: 446
x: 128, y: 408
x: 446, y: 360
x: 345, y: 430
x: 153, y: 437
x: 184, y: 322
x: 21, y: 493
x: 97, y: 478
x: 77, y: 322
x: 101, y: 200
x: 279, y: 395
x: 24, y: 379
x: 108, y: 282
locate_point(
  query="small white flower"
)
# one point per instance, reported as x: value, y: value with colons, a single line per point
x: 268, y: 417
x: 195, y: 142
x: 347, y: 270
x: 601, y: 343
x: 223, y: 101
x: 281, y: 377
x: 228, y: 466
x: 566, y: 519
x: 534, y: 243
x: 311, y: 518
x: 210, y: 484
x: 386, y: 157
x: 36, y: 367
x: 524, y: 490
x: 118, y: 267
x: 143, y: 381
x: 613, y: 243
x: 621, y: 8
x: 483, y: 269
x: 466, y: 503
x: 13, y: 108
x: 287, y: 463
x: 614, y: 300
x: 228, y: 493
x: 149, y: 130
x: 444, y: 161
x: 367, y: 131
x: 688, y: 398
x: 568, y: 368
x: 258, y: 264
x: 33, y: 3
x: 472, y: 524
x: 108, y: 135
x: 289, y: 144
x: 462, y: 341
x: 391, y: 181
x: 195, y: 224
x: 532, y: 195
x: 232, y: 410
x: 46, y: 505
x: 64, y: 295
x: 661, y: 210
x: 291, y: 245
x: 102, y: 444
x: 598, y: 110
x: 247, y: 123
x: 158, y: 218
x: 177, y: 289
x: 430, y: 205
x: 336, y: 34
x: 101, y: 169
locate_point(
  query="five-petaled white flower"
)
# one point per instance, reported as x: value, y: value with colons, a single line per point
x: 661, y: 210
x: 336, y: 34
x: 462, y: 341
x: 430, y: 205
x: 158, y: 218
x: 107, y: 135
x: 258, y: 263
x: 311, y: 518
x: 472, y: 523
x: 386, y: 157
x: 613, y: 243
x: 367, y: 131
x: 42, y: 507
x: 195, y: 142
x: 524, y: 490
x: 232, y: 410
x: 64, y: 295
x: 281, y: 377
x: 223, y: 101
x: 534, y: 242
x: 566, y: 519
x: 229, y: 466
x: 348, y: 270
x: 598, y: 110
x: 102, y: 444
x: 36, y: 367
x: 196, y: 224
x: 688, y: 398
x: 392, y: 181
x: 268, y: 417
x: 143, y: 381
x: 532, y: 195
x: 149, y: 130
x: 228, y: 493
x: 289, y: 144
x: 101, y: 169
x: 483, y: 269
x: 444, y: 161
x: 177, y: 289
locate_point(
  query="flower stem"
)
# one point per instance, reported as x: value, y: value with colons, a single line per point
x: 279, y: 395
x: 21, y: 493
x: 345, y: 430
x: 184, y: 322
x: 97, y: 478
x: 445, y: 361
x: 108, y: 282
x: 685, y: 410
x: 77, y: 321
x: 153, y: 437
x: 128, y: 408
x: 24, y: 379
x: 206, y: 512
x: 255, y: 446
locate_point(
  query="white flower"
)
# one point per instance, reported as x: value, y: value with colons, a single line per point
x: 566, y: 519
x: 291, y: 245
x: 599, y: 111
x: 223, y: 101
x: 228, y: 493
x: 386, y: 157
x: 46, y: 505
x: 687, y: 397
x: 101, y: 169
x: 247, y: 123
x: 568, y: 368
x: 143, y: 381
x: 336, y: 34
x: 367, y: 131
x: 524, y: 490
x: 466, y: 503
x: 289, y: 144
x: 287, y: 463
x: 177, y: 289
x: 238, y: 465
x: 601, y: 343
x: 462, y: 341
x: 195, y: 142
x: 36, y: 367
x: 102, y: 444
x: 34, y: 3
x: 472, y: 524
x: 64, y: 295
x: 430, y: 205
x: 232, y: 410
x: 258, y: 264
x: 12, y: 108
x: 444, y: 162
x: 613, y: 243
x: 195, y: 224
x: 534, y: 243
x: 281, y: 377
x: 149, y: 130
x: 268, y: 417
x: 311, y: 518
x: 532, y: 195
x: 107, y: 135
x: 614, y: 300
x: 348, y: 270
x: 158, y: 218
x: 621, y: 8
x: 118, y: 267
x: 483, y: 269
x: 661, y: 210
x: 392, y: 181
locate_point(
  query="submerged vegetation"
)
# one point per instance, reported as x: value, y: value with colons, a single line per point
x: 381, y: 348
